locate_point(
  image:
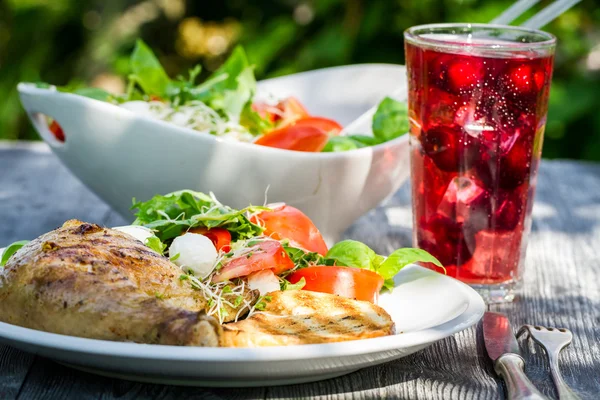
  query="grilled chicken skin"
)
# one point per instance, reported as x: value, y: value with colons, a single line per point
x: 88, y: 281
x: 303, y: 317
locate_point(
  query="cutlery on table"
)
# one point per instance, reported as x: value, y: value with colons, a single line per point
x: 553, y: 340
x: 503, y: 349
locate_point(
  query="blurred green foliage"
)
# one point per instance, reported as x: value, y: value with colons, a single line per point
x: 58, y: 41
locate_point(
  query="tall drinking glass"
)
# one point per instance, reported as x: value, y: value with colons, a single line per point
x: 478, y: 98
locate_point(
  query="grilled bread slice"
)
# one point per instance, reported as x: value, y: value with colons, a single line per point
x: 303, y: 317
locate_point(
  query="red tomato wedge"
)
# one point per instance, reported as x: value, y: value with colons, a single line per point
x: 287, y: 222
x: 354, y: 283
x: 295, y: 137
x: 220, y: 237
x: 291, y: 110
x: 331, y: 127
x: 284, y: 113
x: 57, y: 131
x: 268, y: 254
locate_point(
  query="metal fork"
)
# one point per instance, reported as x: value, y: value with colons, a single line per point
x: 553, y: 340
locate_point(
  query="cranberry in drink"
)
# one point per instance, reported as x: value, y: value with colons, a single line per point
x: 477, y: 113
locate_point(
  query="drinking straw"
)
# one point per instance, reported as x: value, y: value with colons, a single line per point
x: 513, y: 12
x: 549, y: 13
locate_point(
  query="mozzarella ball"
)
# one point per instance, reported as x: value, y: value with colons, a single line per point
x: 264, y: 281
x: 196, y: 253
x: 141, y: 233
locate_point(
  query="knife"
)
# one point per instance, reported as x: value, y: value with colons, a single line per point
x: 503, y: 349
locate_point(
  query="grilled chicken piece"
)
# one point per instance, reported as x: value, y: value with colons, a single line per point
x: 88, y: 281
x: 303, y: 317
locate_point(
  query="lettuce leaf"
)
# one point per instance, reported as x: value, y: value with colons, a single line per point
x: 10, y: 250
x: 172, y: 214
x: 303, y: 258
x: 147, y: 71
x: 231, y: 87
x: 157, y: 245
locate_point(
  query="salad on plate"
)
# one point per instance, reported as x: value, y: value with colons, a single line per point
x: 193, y: 271
x: 225, y: 105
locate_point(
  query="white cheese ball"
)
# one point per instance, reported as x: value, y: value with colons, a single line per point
x: 196, y: 253
x: 141, y: 233
x: 264, y: 281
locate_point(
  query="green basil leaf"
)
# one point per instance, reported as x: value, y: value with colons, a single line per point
x: 401, y: 258
x: 340, y: 143
x: 10, y: 250
x: 364, y: 140
x: 147, y: 71
x: 390, y: 120
x: 351, y: 253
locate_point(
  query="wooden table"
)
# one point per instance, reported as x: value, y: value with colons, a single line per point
x: 562, y: 288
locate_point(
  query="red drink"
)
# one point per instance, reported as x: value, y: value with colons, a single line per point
x: 477, y: 123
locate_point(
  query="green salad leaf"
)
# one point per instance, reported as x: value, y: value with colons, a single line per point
x: 286, y: 285
x: 157, y: 245
x: 303, y: 258
x: 77, y: 88
x: 172, y: 214
x: 255, y: 124
x: 10, y: 250
x: 94, y: 93
x: 147, y: 71
x: 231, y: 87
x: 390, y: 120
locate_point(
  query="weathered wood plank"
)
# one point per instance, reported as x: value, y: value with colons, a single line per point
x: 14, y: 366
x: 562, y: 288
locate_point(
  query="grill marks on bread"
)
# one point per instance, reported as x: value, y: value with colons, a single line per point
x: 304, y: 317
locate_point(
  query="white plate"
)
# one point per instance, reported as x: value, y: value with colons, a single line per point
x: 426, y: 307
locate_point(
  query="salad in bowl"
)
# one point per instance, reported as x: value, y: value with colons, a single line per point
x: 226, y: 106
x: 164, y: 134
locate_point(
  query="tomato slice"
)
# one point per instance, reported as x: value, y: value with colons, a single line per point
x: 57, y: 131
x: 287, y: 222
x: 294, y: 137
x: 220, y: 237
x: 268, y: 254
x: 328, y: 125
x: 354, y: 283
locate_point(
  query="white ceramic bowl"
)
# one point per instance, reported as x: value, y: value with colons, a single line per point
x: 120, y: 155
